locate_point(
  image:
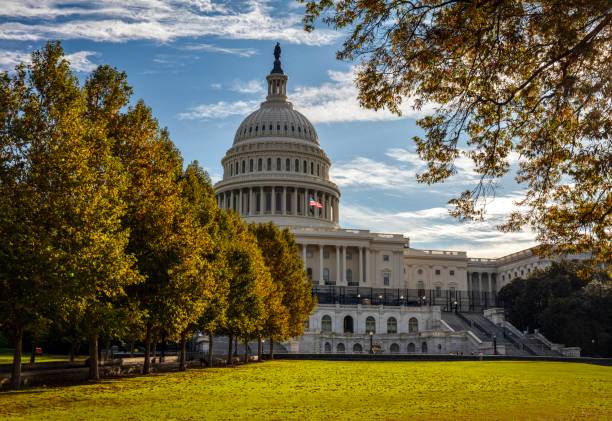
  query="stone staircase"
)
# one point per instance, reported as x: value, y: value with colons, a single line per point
x: 483, y: 328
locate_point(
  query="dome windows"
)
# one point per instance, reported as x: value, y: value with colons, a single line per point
x: 259, y: 165
x: 297, y: 165
x: 278, y: 164
x: 250, y: 165
x: 269, y: 166
x: 288, y: 165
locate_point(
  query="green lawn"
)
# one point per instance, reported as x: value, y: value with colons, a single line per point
x: 7, y: 358
x: 335, y: 390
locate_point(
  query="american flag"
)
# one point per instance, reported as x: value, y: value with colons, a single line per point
x: 314, y: 203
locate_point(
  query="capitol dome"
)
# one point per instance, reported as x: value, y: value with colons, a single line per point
x: 276, y: 170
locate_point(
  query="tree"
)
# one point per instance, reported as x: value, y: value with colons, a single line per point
x: 508, y: 77
x: 248, y: 277
x: 63, y: 243
x: 563, y: 306
x: 290, y: 302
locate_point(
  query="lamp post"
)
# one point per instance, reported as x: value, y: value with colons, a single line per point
x: 494, y: 344
x: 456, y: 306
x: 424, y: 300
x: 402, y: 300
x: 371, y: 344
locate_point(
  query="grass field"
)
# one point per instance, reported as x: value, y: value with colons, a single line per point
x: 7, y: 358
x: 336, y: 391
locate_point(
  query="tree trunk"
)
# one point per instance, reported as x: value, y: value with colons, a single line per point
x: 271, y: 348
x: 210, y: 350
x: 154, y: 351
x: 16, y: 373
x: 146, y: 368
x: 72, y: 350
x: 183, y: 355
x: 33, y: 354
x: 246, y: 351
x: 163, y: 351
x: 94, y: 372
x: 259, y: 348
x: 230, y: 360
x: 107, y: 351
x: 132, y: 345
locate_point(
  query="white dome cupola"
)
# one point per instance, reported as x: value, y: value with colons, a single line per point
x: 276, y: 170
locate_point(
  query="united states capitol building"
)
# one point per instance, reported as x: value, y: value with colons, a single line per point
x: 375, y: 293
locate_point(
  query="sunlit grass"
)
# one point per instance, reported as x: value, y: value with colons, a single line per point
x: 335, y: 390
x: 7, y: 358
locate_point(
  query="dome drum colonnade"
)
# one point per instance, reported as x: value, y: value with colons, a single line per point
x: 276, y: 168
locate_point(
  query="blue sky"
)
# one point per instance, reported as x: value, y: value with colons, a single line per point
x: 201, y: 66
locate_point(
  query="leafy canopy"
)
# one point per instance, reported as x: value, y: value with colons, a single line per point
x: 532, y: 78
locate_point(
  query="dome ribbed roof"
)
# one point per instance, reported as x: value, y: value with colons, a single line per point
x: 275, y: 118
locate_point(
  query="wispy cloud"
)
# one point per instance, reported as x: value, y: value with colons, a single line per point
x: 242, y: 52
x: 79, y: 61
x: 158, y: 20
x: 336, y: 101
x: 331, y: 102
x: 247, y: 87
x: 432, y: 227
x: 220, y: 109
x: 397, y: 174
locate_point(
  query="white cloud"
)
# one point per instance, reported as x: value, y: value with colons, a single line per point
x: 330, y: 102
x: 434, y: 226
x: 220, y: 109
x: 336, y: 101
x: 242, y: 52
x: 158, y: 20
x: 79, y: 60
x: 248, y: 87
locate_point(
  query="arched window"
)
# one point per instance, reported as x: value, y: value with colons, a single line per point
x: 411, y: 347
x: 420, y: 271
x: 327, y: 347
x: 269, y: 167
x: 305, y: 167
x: 413, y: 325
x: 250, y: 165
x: 326, y: 323
x: 288, y: 165
x: 349, y: 275
x: 340, y: 348
x: 326, y: 276
x: 259, y: 165
x: 391, y: 325
x: 318, y: 170
x: 297, y: 165
x: 357, y: 348
x: 348, y: 324
x: 311, y: 168
x: 394, y: 348
x: 243, y: 166
x: 370, y: 325
x: 424, y: 347
x: 421, y: 288
x: 278, y: 164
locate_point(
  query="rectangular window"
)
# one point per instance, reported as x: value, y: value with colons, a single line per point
x: 326, y: 254
x: 349, y: 256
x: 386, y: 276
x: 452, y: 273
x: 437, y: 271
x: 438, y: 292
x: 385, y: 257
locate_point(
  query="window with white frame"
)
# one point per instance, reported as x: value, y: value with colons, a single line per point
x: 386, y: 277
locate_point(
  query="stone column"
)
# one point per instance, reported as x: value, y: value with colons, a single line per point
x: 305, y: 210
x: 240, y: 202
x: 273, y: 204
x: 284, y: 201
x: 368, y: 271
x: 304, y: 246
x: 338, y: 277
x: 295, y: 200
x: 261, y: 198
x: 320, y: 264
x: 251, y: 201
x: 231, y: 205
x: 344, y: 265
x: 360, y: 265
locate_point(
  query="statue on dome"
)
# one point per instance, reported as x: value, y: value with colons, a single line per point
x: 277, y: 63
